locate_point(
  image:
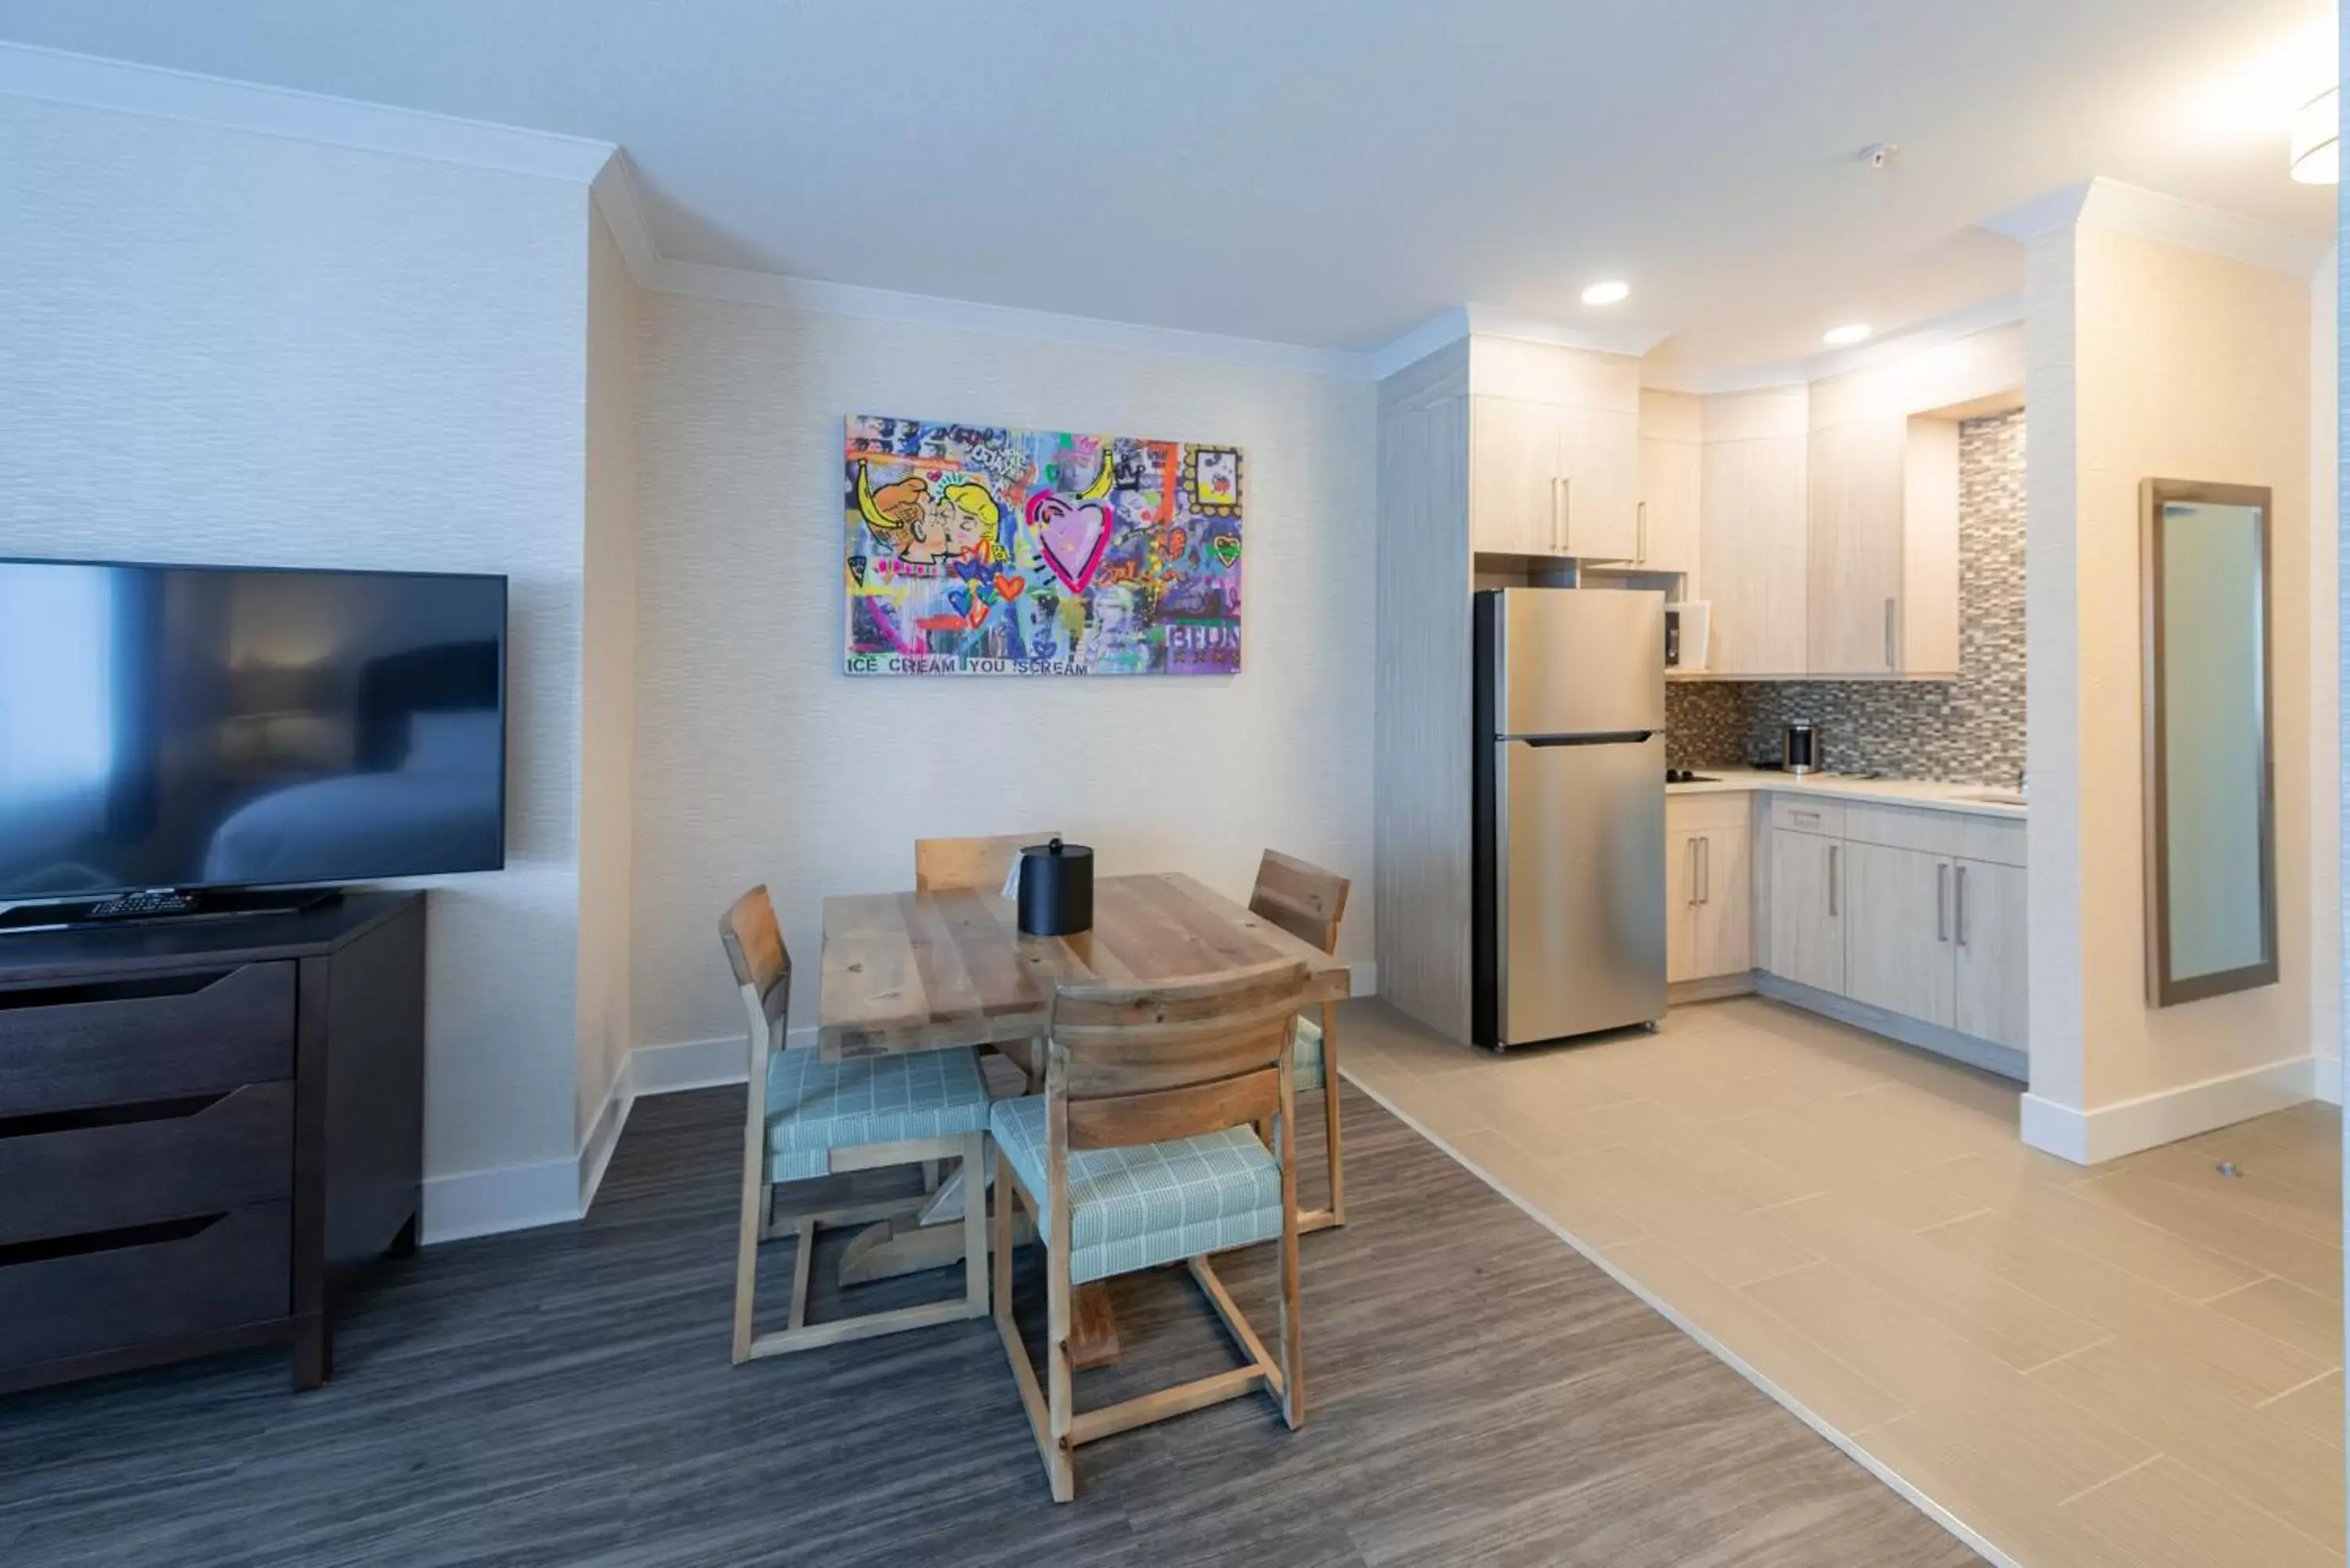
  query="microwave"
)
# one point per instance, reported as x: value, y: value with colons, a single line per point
x: 1686, y: 625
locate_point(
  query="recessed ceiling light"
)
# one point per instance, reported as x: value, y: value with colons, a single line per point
x: 1614, y: 291
x: 2317, y: 139
x: 1845, y: 336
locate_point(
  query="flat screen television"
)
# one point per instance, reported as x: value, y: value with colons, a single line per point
x: 206, y: 727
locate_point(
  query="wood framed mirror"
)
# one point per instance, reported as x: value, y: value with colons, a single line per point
x: 2211, y: 787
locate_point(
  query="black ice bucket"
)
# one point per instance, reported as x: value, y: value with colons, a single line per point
x: 1057, y: 889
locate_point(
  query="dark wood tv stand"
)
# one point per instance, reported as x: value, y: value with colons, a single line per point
x: 205, y: 1128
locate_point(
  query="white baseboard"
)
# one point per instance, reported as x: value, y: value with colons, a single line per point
x: 2107, y: 1132
x: 558, y: 1191
x: 654, y: 1070
x: 2326, y: 1079
x: 510, y: 1198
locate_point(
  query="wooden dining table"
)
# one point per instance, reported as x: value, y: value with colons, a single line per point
x: 949, y: 967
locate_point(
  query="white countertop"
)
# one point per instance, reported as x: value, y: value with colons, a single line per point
x: 1835, y: 786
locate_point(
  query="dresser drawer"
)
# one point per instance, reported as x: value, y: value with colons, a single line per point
x: 62, y: 1174
x: 148, y: 1039
x: 129, y: 1288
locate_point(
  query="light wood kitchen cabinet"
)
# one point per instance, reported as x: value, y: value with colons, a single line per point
x: 1990, y: 988
x: 1898, y: 941
x: 1752, y: 528
x: 1709, y: 886
x: 1599, y: 471
x: 1547, y: 479
x: 1807, y: 924
x: 1882, y: 547
x: 1670, y: 486
x: 1514, y: 504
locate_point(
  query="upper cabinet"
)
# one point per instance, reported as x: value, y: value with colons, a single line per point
x: 1548, y: 479
x: 1883, y: 547
x: 1553, y: 451
x: 1752, y: 528
x: 1672, y: 461
x: 1514, y: 500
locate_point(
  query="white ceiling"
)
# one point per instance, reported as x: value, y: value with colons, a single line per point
x: 1333, y: 173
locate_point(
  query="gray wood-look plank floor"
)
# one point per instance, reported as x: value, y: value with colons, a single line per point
x: 1477, y: 1394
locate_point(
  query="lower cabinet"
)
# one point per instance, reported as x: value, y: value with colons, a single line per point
x: 1808, y: 907
x: 1709, y: 900
x: 1898, y: 951
x: 1987, y: 928
x: 1911, y: 928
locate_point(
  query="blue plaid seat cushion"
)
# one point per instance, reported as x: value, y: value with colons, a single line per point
x: 1306, y: 1055
x: 1154, y: 1203
x: 814, y: 1107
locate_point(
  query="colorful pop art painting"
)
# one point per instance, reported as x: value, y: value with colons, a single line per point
x: 984, y: 550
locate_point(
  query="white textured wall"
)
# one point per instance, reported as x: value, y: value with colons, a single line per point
x: 2323, y: 588
x: 219, y: 347
x: 759, y: 761
x: 607, y: 692
x: 2182, y: 366
x: 2053, y: 697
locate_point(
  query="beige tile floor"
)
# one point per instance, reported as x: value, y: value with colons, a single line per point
x: 2134, y: 1366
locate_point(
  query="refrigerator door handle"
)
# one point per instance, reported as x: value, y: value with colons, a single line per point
x: 1598, y: 738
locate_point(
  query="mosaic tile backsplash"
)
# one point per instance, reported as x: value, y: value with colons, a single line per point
x: 1968, y: 730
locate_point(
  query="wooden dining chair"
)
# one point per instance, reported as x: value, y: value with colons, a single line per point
x: 808, y: 1117
x: 1308, y: 903
x: 1142, y: 1152
x: 982, y: 863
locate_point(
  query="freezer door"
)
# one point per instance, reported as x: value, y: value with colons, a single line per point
x: 1581, y: 858
x: 1580, y: 661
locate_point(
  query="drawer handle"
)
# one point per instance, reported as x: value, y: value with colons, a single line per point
x: 45, y: 1122
x: 1803, y: 816
x: 151, y: 990
x: 55, y: 1247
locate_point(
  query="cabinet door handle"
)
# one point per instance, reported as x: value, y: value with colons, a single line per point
x: 1567, y: 514
x: 1962, y: 905
x: 1688, y: 878
x: 1640, y: 544
x: 1705, y: 870
x: 1888, y: 634
x: 1941, y: 902
x: 1834, y: 864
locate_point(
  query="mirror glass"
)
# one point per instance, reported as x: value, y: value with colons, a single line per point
x: 2212, y: 919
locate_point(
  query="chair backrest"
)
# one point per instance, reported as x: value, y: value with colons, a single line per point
x: 1300, y: 897
x: 1144, y: 1064
x: 762, y: 970
x: 982, y: 863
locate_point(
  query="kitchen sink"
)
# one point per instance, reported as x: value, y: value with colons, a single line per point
x: 1995, y: 797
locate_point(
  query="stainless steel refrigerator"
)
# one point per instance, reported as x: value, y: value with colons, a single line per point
x: 1568, y: 770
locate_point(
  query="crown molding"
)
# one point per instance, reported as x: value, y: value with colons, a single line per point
x: 747, y: 287
x: 1716, y: 383
x: 91, y: 82
x: 1493, y: 321
x: 2103, y: 203
x: 614, y: 192
x: 2001, y: 310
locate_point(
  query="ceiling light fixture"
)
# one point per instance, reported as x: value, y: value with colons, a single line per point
x: 1847, y: 336
x: 2317, y: 139
x: 1614, y: 291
